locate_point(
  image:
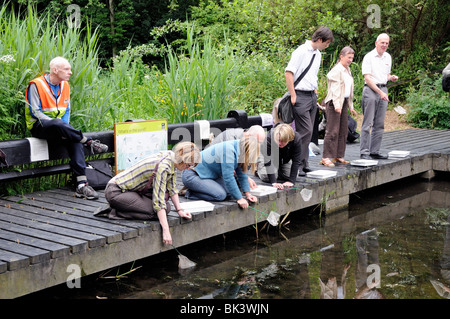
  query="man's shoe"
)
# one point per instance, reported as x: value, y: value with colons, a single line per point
x: 366, y: 156
x: 97, y: 147
x: 378, y: 156
x: 86, y: 191
x: 301, y: 173
x: 307, y: 169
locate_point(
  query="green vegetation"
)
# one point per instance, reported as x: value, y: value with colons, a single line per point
x: 197, y: 59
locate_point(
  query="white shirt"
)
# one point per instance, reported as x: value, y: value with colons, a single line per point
x: 300, y: 59
x: 377, y: 66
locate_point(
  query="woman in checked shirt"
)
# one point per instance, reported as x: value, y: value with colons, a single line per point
x: 142, y: 190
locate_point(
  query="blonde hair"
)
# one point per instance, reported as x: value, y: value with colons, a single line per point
x: 257, y: 131
x: 249, y: 153
x: 285, y: 131
x: 186, y: 152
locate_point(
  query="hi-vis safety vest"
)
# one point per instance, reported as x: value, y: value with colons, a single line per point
x: 51, y: 105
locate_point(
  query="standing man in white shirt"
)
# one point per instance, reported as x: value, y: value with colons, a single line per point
x: 304, y: 95
x: 376, y: 68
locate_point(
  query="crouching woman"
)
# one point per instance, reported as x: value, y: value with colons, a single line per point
x: 142, y: 190
x: 214, y: 178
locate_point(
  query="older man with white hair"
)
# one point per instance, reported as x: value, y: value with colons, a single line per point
x: 47, y: 114
x: 376, y: 68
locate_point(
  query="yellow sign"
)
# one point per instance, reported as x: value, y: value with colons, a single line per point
x: 134, y: 141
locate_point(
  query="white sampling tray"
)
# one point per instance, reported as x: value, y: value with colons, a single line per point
x: 398, y: 153
x: 263, y: 190
x: 364, y: 162
x: 197, y: 206
x: 321, y: 173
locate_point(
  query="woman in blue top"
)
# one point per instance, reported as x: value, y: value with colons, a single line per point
x: 213, y: 179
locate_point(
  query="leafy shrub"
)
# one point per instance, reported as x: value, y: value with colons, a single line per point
x: 429, y: 104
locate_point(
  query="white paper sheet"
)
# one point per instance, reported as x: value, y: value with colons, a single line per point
x: 38, y: 149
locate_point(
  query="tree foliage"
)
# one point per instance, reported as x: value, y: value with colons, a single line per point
x: 139, y: 43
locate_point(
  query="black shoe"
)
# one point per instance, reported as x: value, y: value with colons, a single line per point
x: 307, y: 169
x: 366, y: 156
x: 378, y: 156
x: 301, y: 173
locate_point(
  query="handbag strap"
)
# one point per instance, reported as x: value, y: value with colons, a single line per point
x: 149, y: 183
x: 304, y: 72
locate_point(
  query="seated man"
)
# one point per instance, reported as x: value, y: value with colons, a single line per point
x: 47, y: 113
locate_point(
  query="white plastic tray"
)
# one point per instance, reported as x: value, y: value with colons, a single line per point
x: 263, y: 190
x: 197, y: 206
x: 398, y: 153
x: 363, y: 162
x: 321, y: 174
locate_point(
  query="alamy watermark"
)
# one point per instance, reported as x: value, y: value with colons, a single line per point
x: 74, y: 279
x: 374, y: 279
x: 74, y: 17
x: 374, y: 18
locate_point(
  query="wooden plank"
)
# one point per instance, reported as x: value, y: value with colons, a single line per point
x: 36, y: 255
x: 81, y: 204
x: 56, y: 250
x: 76, y: 245
x: 3, y: 266
x: 13, y: 260
x: 112, y: 232
x: 92, y: 239
x: 98, y: 236
x: 69, y: 192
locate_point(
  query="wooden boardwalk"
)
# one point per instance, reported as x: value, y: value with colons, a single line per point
x: 50, y: 237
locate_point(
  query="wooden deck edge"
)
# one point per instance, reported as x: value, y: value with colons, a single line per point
x: 225, y: 218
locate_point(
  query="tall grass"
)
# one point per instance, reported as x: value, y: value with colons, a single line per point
x: 198, y: 84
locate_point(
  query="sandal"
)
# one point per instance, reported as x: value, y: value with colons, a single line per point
x: 326, y: 162
x: 340, y: 160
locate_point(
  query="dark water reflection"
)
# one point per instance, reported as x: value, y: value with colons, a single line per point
x: 393, y: 242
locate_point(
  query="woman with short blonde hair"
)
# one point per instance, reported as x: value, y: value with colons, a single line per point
x: 280, y: 157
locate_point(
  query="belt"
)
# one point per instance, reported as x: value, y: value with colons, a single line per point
x: 304, y: 92
x: 379, y: 85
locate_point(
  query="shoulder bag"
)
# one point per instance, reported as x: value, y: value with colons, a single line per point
x: 285, y: 111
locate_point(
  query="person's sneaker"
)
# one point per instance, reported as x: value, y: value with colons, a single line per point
x: 97, y: 147
x: 86, y: 191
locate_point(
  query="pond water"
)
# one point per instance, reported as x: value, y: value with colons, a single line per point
x: 392, y: 242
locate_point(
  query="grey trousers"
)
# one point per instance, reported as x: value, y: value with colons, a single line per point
x: 305, y: 110
x: 372, y: 128
x: 283, y: 172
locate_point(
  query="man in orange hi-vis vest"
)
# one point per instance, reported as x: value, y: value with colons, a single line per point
x: 47, y: 114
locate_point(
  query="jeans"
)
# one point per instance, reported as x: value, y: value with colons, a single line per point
x: 203, y: 188
x: 56, y: 130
